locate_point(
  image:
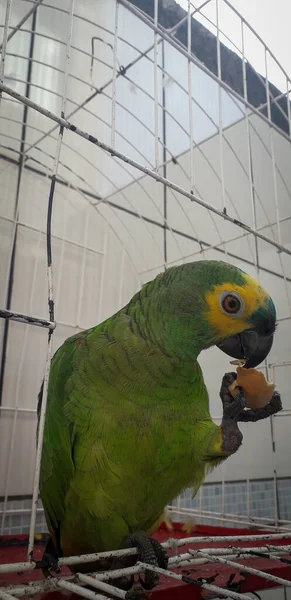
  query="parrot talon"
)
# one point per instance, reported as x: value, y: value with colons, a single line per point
x: 150, y: 551
x: 232, y: 407
x: 232, y: 411
x: 257, y: 414
x: 48, y: 564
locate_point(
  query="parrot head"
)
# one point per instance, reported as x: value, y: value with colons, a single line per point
x: 244, y: 316
x: 210, y: 303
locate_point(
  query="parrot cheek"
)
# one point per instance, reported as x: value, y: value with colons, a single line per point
x: 250, y: 345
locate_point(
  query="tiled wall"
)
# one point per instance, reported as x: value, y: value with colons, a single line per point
x: 261, y: 504
x: 261, y: 500
x: 19, y: 523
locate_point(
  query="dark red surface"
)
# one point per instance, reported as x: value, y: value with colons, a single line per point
x: 168, y: 589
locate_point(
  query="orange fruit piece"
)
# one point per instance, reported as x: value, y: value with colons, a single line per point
x: 258, y: 391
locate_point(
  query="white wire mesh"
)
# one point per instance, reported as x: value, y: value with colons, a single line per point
x: 178, y: 166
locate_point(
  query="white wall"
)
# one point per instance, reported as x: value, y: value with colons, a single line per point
x: 102, y: 255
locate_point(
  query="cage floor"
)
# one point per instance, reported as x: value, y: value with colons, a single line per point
x: 14, y: 549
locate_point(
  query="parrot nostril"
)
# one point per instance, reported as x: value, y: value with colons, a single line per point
x: 267, y: 327
x: 270, y: 327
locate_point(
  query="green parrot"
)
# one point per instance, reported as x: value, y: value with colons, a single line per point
x: 128, y: 425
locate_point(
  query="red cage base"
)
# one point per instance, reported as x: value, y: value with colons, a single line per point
x: 14, y: 549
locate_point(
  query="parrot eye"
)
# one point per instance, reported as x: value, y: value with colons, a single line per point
x: 231, y: 304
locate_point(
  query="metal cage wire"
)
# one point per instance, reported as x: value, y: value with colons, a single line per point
x: 35, y: 158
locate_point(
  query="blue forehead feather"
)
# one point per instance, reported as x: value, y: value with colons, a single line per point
x: 268, y: 309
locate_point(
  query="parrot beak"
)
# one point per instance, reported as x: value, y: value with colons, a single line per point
x: 252, y: 345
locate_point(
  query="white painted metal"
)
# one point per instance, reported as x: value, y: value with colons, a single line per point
x: 121, y: 171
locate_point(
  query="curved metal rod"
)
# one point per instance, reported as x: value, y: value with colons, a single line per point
x: 260, y: 78
x: 211, y: 166
x: 180, y: 48
x: 257, y: 36
x: 170, y: 31
x: 89, y: 201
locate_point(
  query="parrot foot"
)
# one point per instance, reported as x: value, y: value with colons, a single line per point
x: 150, y: 551
x: 49, y: 562
x: 232, y: 407
x: 257, y: 414
x: 232, y: 410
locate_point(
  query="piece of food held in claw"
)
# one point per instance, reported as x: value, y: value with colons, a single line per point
x: 258, y: 391
x: 128, y: 425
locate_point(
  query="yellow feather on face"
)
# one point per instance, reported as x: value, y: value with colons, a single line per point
x: 253, y: 296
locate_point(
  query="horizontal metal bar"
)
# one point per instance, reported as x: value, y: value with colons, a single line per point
x: 102, y: 586
x: 212, y: 516
x: 19, y: 511
x: 180, y: 560
x: 76, y: 589
x: 206, y: 586
x: 241, y: 567
x: 5, y: 596
x: 87, y: 558
x: 228, y: 516
x: 191, y: 196
x: 54, y: 236
x: 286, y: 363
x: 21, y: 318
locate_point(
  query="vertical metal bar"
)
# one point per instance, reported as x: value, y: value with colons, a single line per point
x: 113, y: 107
x: 272, y: 150
x: 218, y: 54
x: 83, y: 268
x: 4, y: 43
x: 223, y: 490
x: 250, y: 158
x: 104, y: 258
x: 8, y: 470
x: 190, y: 97
x: 121, y: 281
x: 285, y: 285
x: 165, y: 199
x: 201, y: 499
x: 248, y: 484
x: 39, y: 443
x: 17, y: 404
x: 50, y: 293
x: 156, y: 87
x: 288, y: 83
x: 16, y: 208
x: 274, y: 462
x: 61, y: 261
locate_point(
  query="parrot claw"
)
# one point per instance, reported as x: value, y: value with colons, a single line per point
x: 48, y: 564
x: 150, y: 551
x: 232, y: 407
x: 257, y: 414
x: 276, y: 403
x: 234, y: 412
